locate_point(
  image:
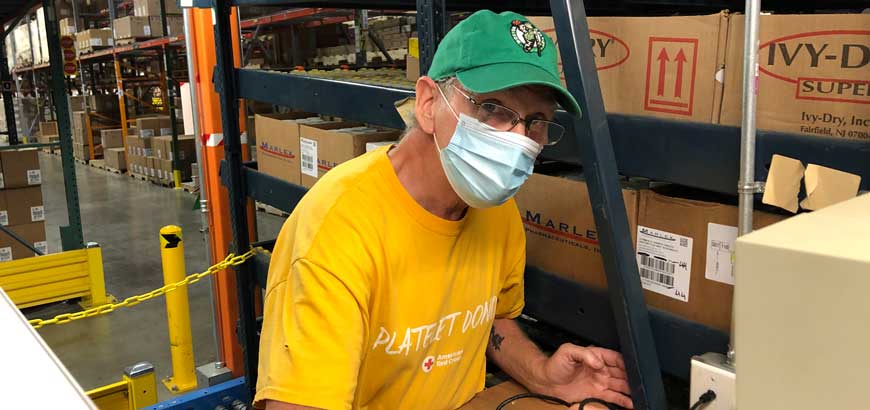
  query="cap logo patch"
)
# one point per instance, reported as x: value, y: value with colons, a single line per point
x: 528, y: 37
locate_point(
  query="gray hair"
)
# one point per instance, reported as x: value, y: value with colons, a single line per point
x: 446, y: 86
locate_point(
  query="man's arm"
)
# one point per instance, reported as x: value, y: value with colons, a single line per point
x: 572, y: 373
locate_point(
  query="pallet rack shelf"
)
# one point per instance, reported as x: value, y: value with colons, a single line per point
x: 692, y: 154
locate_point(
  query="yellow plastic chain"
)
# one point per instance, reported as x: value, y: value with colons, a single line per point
x: 230, y: 260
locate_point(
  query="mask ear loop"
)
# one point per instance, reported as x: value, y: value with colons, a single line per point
x: 435, y: 137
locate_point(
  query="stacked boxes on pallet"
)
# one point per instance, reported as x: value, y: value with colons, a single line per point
x: 48, y: 133
x: 103, y: 107
x: 147, y: 151
x: 21, y: 208
x: 163, y: 153
x: 150, y: 10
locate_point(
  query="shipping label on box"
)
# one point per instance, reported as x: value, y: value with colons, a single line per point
x: 813, y: 74
x: 37, y: 213
x: 308, y: 150
x: 659, y: 66
x: 41, y: 246
x: 5, y: 254
x: 664, y: 262
x: 720, y: 252
x: 34, y: 177
x: 4, y: 218
x: 561, y: 236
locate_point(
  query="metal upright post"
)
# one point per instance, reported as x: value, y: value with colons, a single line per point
x: 119, y: 84
x: 361, y: 33
x: 747, y: 187
x: 226, y: 82
x: 203, y: 202
x: 71, y: 236
x: 599, y: 165
x: 431, y: 26
x: 171, y: 92
x: 8, y: 100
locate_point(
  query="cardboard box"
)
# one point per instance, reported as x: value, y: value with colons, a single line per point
x: 89, y: 40
x: 174, y: 25
x: 278, y: 145
x: 133, y: 27
x: 48, y: 128
x: 412, y: 60
x: 814, y: 74
x: 67, y: 26
x: 322, y: 149
x: 115, y: 158
x: 490, y: 398
x: 152, y: 7
x: 24, y: 205
x: 163, y: 147
x: 659, y: 66
x: 151, y: 126
x: 166, y: 167
x: 33, y: 233
x: 20, y: 168
x: 140, y: 146
x: 102, y: 103
x: 679, y: 276
x: 112, y: 138
x: 561, y: 236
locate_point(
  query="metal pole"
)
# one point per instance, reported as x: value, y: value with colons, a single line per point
x: 203, y: 202
x: 29, y: 131
x: 226, y: 81
x: 177, y: 311
x: 617, y: 249
x: 8, y: 100
x: 747, y: 187
x: 71, y: 236
x: 361, y: 34
x: 432, y: 25
x: 171, y: 92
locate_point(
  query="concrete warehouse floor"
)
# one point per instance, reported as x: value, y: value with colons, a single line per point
x: 124, y: 216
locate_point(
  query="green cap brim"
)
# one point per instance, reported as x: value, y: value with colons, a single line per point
x: 501, y: 76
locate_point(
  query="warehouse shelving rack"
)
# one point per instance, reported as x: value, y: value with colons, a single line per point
x: 692, y: 154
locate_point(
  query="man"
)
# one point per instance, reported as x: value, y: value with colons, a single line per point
x: 402, y: 269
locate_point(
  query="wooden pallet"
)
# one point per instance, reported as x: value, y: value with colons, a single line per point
x: 115, y: 171
x: 92, y: 49
x: 82, y: 161
x: 139, y: 176
x: 271, y: 210
x: 128, y: 41
x: 98, y: 163
x: 190, y: 187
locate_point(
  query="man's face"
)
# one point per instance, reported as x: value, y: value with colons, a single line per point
x: 529, y: 102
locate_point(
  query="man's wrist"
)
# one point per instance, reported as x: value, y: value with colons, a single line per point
x: 538, y: 380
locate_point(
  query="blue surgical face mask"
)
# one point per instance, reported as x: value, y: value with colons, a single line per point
x: 485, y: 166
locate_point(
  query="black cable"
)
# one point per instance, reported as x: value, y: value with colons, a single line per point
x: 554, y: 400
x: 705, y: 398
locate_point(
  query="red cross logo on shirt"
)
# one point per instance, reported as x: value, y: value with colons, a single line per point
x: 428, y: 363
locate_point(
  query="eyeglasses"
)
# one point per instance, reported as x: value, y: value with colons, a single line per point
x: 505, y: 119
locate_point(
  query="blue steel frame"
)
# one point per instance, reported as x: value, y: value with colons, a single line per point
x: 698, y: 155
x: 222, y: 395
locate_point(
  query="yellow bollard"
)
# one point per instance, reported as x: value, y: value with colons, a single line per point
x: 177, y: 311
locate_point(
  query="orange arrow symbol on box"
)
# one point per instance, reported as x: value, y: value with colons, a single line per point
x: 678, y: 85
x: 663, y: 60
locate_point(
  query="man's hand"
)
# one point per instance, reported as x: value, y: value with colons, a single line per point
x: 576, y: 373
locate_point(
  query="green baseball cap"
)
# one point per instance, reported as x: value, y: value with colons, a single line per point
x: 490, y: 52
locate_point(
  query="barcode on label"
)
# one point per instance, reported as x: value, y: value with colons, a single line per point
x: 666, y: 280
x: 308, y: 151
x: 34, y: 177
x: 6, y: 254
x: 37, y: 213
x: 658, y: 264
x: 684, y: 242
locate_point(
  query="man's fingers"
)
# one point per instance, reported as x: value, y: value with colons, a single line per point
x: 582, y: 355
x: 617, y: 373
x: 612, y: 358
x: 619, y: 385
x: 616, y: 398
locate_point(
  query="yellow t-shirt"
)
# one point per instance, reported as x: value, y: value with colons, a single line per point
x: 374, y: 303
